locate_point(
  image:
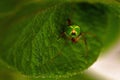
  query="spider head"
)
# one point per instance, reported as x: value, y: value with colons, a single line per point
x: 72, y: 31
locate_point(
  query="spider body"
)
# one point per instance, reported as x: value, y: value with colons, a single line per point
x: 73, y: 33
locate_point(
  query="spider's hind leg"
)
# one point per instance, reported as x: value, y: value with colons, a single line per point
x: 85, y: 42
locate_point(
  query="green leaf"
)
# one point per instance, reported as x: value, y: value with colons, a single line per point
x: 32, y: 44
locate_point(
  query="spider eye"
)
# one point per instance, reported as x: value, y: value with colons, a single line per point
x: 73, y: 34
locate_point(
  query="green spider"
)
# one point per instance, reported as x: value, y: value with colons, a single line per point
x: 73, y: 32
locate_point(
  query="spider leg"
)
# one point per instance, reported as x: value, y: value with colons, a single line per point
x: 52, y: 59
x: 68, y: 22
x: 79, y: 36
x: 61, y: 35
x: 94, y: 36
x: 85, y: 42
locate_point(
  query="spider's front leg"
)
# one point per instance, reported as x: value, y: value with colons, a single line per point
x: 63, y: 33
x: 68, y: 22
x: 80, y: 35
